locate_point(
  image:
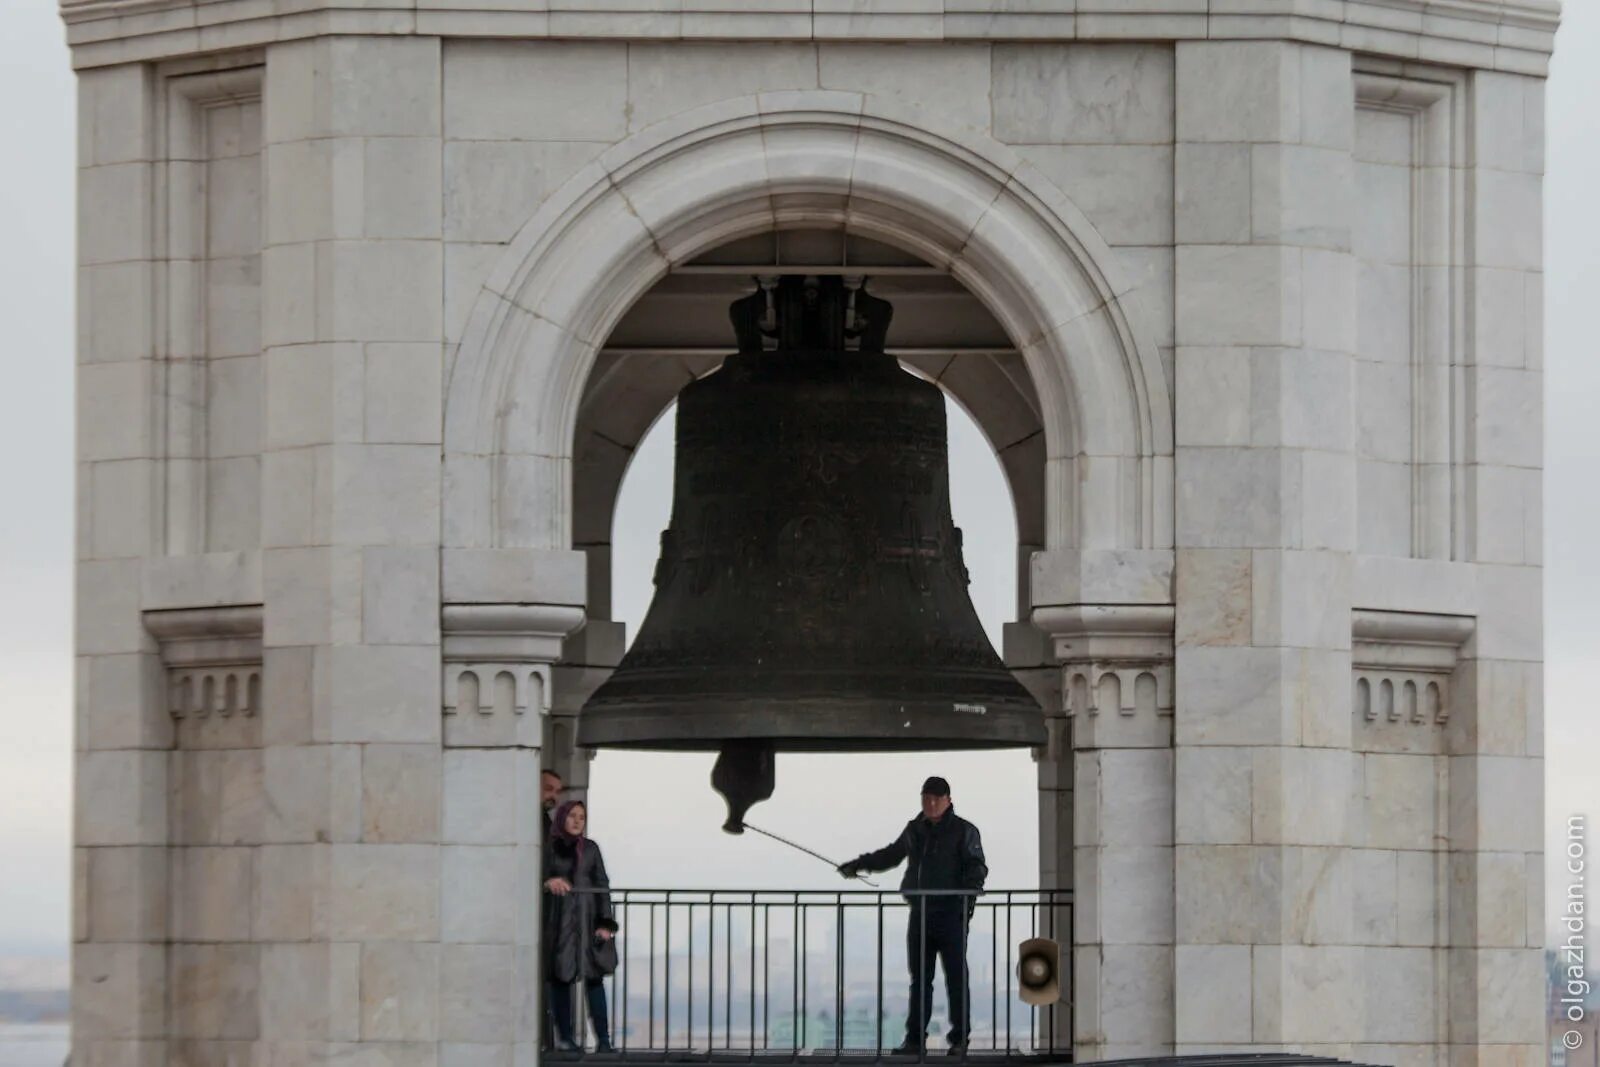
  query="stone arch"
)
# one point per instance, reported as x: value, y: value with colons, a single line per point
x: 782, y: 160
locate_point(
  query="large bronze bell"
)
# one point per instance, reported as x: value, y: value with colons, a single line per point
x: 811, y: 594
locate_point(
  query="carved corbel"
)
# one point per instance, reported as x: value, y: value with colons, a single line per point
x: 497, y: 660
x: 1116, y: 665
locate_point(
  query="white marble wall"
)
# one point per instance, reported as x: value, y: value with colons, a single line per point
x: 1266, y: 526
x: 1384, y: 241
x: 282, y: 243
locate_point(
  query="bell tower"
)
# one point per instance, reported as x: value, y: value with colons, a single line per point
x: 375, y: 300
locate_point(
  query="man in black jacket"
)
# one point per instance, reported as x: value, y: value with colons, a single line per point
x: 942, y: 851
x: 550, y: 787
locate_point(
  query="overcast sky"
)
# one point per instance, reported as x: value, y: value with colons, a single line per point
x: 833, y: 805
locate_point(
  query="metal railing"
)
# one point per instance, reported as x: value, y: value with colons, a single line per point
x: 719, y: 974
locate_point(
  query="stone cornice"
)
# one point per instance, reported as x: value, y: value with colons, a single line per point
x: 1411, y: 640
x: 208, y: 637
x: 1124, y: 633
x: 510, y: 633
x: 1516, y: 35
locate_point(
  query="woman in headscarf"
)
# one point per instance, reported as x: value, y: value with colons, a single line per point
x: 577, y: 923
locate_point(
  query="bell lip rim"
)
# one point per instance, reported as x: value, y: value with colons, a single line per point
x: 840, y: 721
x: 994, y: 706
x: 641, y: 729
x: 829, y: 746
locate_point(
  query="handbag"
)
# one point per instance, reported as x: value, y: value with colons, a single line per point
x: 603, y: 950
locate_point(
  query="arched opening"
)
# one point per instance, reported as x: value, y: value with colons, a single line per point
x: 966, y: 206
x: 521, y: 391
x: 623, y: 492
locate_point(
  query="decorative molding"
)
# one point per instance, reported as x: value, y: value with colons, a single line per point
x: 184, y: 204
x: 1433, y: 104
x: 497, y: 688
x: 213, y: 660
x: 1127, y: 706
x: 224, y: 691
x: 1116, y: 673
x: 497, y: 677
x: 1402, y: 676
x: 1402, y: 696
x: 207, y: 636
x: 1500, y: 34
x: 514, y: 633
x: 1408, y: 640
x: 1118, y: 632
x: 654, y: 200
x: 1141, y: 689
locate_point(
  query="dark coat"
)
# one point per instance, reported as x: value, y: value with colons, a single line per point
x: 947, y: 854
x: 570, y: 921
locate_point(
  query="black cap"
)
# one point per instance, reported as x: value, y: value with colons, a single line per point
x: 937, y: 786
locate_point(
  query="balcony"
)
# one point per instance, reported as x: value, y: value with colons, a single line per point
x: 778, y: 975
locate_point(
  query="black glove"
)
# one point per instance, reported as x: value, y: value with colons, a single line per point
x: 849, y: 870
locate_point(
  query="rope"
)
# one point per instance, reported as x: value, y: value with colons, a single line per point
x: 807, y: 851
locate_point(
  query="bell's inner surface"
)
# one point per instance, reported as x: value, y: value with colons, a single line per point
x: 810, y: 593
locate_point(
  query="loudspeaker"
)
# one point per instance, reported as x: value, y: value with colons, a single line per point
x: 1039, y: 971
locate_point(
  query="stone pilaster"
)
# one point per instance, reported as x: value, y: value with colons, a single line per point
x: 497, y: 694
x: 1496, y: 764
x: 1109, y: 763
x: 1266, y: 520
x: 351, y: 884
x: 507, y: 616
x: 123, y: 728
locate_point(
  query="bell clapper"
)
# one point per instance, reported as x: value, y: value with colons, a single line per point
x: 745, y: 776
